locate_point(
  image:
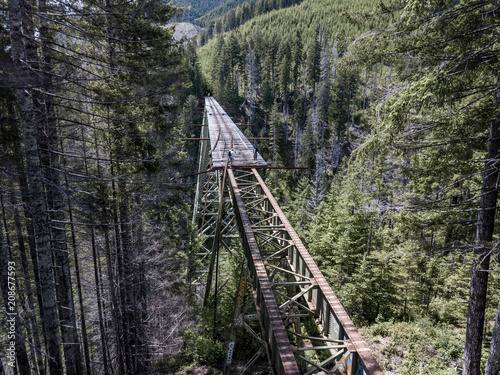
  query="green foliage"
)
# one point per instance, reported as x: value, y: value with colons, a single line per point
x: 195, y: 9
x: 236, y: 12
x: 299, y: 211
x: 203, y: 349
x: 421, y: 346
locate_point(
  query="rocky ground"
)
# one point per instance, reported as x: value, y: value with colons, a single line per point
x: 185, y: 30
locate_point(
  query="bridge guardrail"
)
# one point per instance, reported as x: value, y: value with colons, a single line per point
x: 335, y: 321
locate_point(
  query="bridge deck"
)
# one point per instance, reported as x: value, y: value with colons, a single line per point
x: 224, y: 134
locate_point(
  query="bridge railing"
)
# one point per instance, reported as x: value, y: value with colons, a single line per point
x: 330, y: 314
x: 279, y: 348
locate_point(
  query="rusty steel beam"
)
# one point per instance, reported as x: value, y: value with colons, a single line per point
x: 207, y: 125
x: 358, y: 344
x: 207, y: 139
x: 277, y: 334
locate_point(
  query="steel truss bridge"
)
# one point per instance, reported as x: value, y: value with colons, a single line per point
x: 282, y: 300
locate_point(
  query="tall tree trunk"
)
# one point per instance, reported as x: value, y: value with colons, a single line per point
x: 24, y: 80
x: 9, y: 284
x: 113, y: 280
x: 493, y: 364
x: 121, y: 281
x: 28, y: 217
x: 39, y: 367
x: 115, y: 291
x: 86, y: 350
x: 141, y: 290
x: 484, y: 236
x: 128, y: 282
x: 97, y: 277
x: 48, y: 146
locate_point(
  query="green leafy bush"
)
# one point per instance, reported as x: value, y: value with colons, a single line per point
x: 203, y: 349
x: 421, y: 346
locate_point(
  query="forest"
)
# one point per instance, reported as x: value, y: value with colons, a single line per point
x: 192, y: 10
x: 391, y: 108
x: 94, y: 221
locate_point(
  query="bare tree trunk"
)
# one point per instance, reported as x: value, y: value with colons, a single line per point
x: 129, y: 282
x: 24, y: 80
x: 28, y: 217
x: 115, y: 291
x: 48, y: 141
x: 482, y: 249
x: 9, y: 284
x: 27, y: 285
x: 141, y: 289
x: 86, y: 350
x: 123, y: 331
x: 493, y: 364
x: 99, y: 303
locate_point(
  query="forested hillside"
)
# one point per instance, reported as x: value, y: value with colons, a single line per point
x: 234, y: 13
x: 394, y: 110
x: 193, y: 9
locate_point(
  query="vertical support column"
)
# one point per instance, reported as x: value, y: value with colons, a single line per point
x: 203, y: 157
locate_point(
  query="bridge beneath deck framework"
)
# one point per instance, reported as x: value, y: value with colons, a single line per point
x: 282, y: 300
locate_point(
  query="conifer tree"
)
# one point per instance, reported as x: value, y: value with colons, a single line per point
x: 276, y: 132
x: 88, y: 81
x: 314, y: 59
x: 297, y: 58
x: 307, y: 157
x: 251, y: 82
x: 299, y: 211
x: 450, y: 102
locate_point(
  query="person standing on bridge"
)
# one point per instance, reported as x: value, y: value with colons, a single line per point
x: 255, y: 153
x: 230, y: 155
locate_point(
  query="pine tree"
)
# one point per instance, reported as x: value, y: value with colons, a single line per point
x: 453, y: 81
x: 99, y: 85
x: 298, y: 58
x: 307, y: 157
x: 251, y: 82
x: 314, y: 59
x: 299, y: 211
x: 276, y: 132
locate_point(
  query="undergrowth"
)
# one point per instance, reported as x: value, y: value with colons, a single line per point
x: 419, y: 347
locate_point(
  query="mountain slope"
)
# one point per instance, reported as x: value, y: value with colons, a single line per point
x: 194, y: 9
x: 335, y: 18
x: 219, y: 11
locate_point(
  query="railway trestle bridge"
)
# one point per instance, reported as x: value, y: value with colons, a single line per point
x: 282, y: 300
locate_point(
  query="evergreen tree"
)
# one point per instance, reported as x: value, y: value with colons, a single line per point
x: 251, y: 82
x: 453, y: 81
x: 299, y: 211
x: 297, y: 58
x: 307, y: 158
x: 314, y: 59
x: 193, y: 71
x: 88, y: 96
